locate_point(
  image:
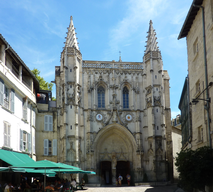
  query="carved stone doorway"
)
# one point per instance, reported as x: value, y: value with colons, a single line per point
x: 123, y: 168
x: 106, y: 172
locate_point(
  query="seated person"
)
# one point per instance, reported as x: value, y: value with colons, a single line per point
x: 82, y: 183
x: 73, y: 183
x: 8, y: 188
x: 49, y: 187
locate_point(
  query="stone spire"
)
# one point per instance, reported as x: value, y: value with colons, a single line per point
x: 71, y: 39
x: 151, y: 39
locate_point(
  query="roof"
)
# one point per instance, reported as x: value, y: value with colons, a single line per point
x: 71, y: 39
x: 17, y: 56
x: 151, y: 43
x: 190, y: 18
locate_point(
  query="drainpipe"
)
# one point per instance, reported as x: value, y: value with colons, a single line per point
x: 206, y: 74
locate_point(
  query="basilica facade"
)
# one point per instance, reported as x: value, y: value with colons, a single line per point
x: 114, y: 117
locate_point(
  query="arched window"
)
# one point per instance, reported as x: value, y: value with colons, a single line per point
x: 125, y: 98
x: 101, y: 97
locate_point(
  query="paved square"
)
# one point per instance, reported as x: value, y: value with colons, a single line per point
x: 171, y: 188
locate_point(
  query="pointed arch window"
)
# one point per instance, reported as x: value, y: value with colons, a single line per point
x: 101, y: 97
x: 125, y: 98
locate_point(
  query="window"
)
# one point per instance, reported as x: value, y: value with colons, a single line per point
x: 101, y: 97
x: 7, y: 96
x: 70, y: 126
x: 125, y: 98
x: 48, y: 147
x: 25, y: 141
x: 70, y: 70
x: 200, y: 134
x: 48, y: 123
x: 197, y: 85
x: 195, y: 47
x: 155, y: 76
x: 6, y: 134
x: 156, y: 89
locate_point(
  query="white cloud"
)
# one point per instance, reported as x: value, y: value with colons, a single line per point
x: 138, y: 13
x: 174, y: 114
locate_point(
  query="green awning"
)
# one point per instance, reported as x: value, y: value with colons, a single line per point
x: 14, y: 158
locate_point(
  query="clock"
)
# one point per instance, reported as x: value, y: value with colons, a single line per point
x: 128, y: 117
x: 99, y: 117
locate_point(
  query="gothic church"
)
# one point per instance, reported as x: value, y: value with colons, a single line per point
x: 114, y: 117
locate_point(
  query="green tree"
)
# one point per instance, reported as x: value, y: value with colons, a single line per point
x: 195, y: 168
x: 42, y: 83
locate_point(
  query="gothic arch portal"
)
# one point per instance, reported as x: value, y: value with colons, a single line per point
x: 115, y: 141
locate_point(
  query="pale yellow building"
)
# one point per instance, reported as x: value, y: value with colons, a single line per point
x: 198, y: 30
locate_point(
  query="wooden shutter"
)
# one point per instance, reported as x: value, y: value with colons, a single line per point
x: 5, y: 134
x: 54, y: 146
x: 21, y: 140
x: 12, y: 99
x: 50, y: 123
x: 34, y: 116
x: 1, y: 92
x: 46, y: 123
x: 29, y: 142
x: 34, y: 145
x: 46, y: 147
x: 8, y: 135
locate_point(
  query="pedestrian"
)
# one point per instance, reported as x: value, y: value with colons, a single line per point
x: 8, y: 188
x: 120, y: 178
x: 128, y: 177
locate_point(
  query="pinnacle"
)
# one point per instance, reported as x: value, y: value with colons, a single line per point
x: 151, y: 39
x: 71, y: 39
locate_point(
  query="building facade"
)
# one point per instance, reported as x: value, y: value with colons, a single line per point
x: 197, y: 29
x: 177, y: 143
x: 46, y: 127
x: 17, y: 102
x: 114, y: 117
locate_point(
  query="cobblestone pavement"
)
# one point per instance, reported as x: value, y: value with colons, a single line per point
x: 171, y: 188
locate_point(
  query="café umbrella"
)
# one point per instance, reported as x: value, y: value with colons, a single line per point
x: 45, y: 164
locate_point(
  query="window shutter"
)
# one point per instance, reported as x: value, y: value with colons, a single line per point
x: 1, y: 92
x: 34, y: 145
x: 5, y: 134
x: 8, y: 135
x: 46, y: 123
x: 54, y: 146
x: 21, y: 140
x: 29, y: 142
x: 33, y: 116
x: 45, y: 146
x: 50, y: 123
x: 12, y: 99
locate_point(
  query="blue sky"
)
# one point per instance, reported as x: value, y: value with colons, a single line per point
x: 36, y: 30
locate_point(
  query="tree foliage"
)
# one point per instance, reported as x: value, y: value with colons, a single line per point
x: 42, y: 83
x: 195, y: 168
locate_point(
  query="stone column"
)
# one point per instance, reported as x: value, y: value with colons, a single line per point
x: 114, y: 163
x: 20, y: 73
x: 2, y: 54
